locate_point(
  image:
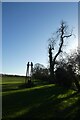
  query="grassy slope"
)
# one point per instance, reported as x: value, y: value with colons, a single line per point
x: 11, y: 83
x: 43, y: 102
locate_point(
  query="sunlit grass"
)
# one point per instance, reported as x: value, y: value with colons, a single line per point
x: 12, y: 80
x: 0, y: 80
x: 66, y: 94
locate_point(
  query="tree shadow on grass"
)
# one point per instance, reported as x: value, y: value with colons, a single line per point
x: 9, y: 87
x: 43, y: 103
x: 73, y: 112
x: 50, y: 109
x: 18, y: 86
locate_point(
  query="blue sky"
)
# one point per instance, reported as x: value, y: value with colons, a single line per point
x: 40, y: 0
x: 26, y: 29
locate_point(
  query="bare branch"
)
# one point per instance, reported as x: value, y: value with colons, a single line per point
x: 66, y: 36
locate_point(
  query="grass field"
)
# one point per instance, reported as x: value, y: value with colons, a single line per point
x: 42, y: 102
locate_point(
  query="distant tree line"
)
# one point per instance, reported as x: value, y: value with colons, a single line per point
x: 8, y: 75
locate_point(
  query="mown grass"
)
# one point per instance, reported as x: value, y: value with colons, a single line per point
x: 41, y: 102
x: 11, y: 82
x: 15, y: 83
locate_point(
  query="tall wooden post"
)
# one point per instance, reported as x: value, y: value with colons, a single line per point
x: 29, y: 73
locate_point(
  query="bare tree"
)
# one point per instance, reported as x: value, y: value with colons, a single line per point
x: 61, y: 33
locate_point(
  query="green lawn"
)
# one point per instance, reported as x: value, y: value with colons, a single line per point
x: 11, y: 83
x: 41, y: 102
